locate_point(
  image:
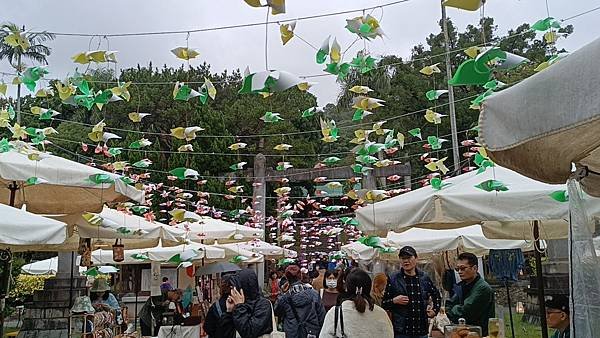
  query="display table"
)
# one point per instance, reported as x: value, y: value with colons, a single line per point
x: 179, y: 331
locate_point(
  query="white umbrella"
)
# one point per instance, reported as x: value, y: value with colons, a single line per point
x: 263, y: 248
x: 22, y: 231
x: 507, y: 214
x: 135, y: 232
x: 550, y: 120
x: 161, y: 254
x: 65, y: 187
x: 215, y: 229
x: 233, y: 250
x: 361, y: 252
x: 46, y: 267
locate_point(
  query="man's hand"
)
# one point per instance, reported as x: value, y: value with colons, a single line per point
x: 401, y: 300
x: 430, y: 313
x: 237, y: 296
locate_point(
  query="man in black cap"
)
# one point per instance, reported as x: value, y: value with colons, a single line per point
x: 407, y: 296
x: 557, y: 315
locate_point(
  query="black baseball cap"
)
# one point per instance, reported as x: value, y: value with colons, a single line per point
x: 407, y: 251
x: 558, y: 302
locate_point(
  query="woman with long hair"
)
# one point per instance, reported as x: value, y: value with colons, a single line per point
x: 356, y: 314
x: 379, y: 284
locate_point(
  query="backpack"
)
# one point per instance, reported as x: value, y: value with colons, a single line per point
x: 303, y: 331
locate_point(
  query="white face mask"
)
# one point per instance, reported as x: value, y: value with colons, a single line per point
x: 331, y: 283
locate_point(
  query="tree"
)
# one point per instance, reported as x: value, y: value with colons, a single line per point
x: 36, y: 51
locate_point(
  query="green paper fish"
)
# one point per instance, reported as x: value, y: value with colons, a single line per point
x: 492, y: 185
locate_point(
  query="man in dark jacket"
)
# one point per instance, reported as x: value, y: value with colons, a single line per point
x: 252, y: 313
x: 474, y: 299
x: 407, y: 296
x: 300, y: 307
x: 219, y: 322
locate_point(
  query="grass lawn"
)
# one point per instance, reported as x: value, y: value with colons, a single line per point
x: 522, y: 329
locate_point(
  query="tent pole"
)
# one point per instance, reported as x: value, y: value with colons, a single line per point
x: 13, y: 192
x: 512, y: 324
x: 540, y: 279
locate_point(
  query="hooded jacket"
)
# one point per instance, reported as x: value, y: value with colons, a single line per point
x: 253, y: 318
x: 307, y: 303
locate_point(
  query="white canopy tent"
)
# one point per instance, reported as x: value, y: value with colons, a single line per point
x: 45, y: 267
x: 22, y: 231
x: 161, y: 254
x: 542, y: 127
x: 263, y: 248
x: 60, y: 177
x: 210, y: 229
x: 505, y: 214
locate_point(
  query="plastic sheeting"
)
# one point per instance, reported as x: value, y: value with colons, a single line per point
x: 584, y: 269
x: 208, y: 229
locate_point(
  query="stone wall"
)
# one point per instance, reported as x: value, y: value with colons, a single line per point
x: 47, y: 316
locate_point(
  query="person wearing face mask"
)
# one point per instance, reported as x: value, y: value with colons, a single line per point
x: 219, y: 322
x: 329, y: 293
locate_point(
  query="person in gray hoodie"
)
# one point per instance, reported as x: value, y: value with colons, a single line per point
x: 300, y: 307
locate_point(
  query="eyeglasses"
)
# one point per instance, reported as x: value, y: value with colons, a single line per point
x: 463, y: 268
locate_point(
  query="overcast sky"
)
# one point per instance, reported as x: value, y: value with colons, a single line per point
x: 405, y: 25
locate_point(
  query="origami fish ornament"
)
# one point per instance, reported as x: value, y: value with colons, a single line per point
x: 271, y: 117
x: 238, y: 146
x: 188, y: 133
x: 44, y: 113
x: 145, y: 163
x: 185, y: 53
x: 184, y: 173
x: 282, y: 166
x: 435, y: 94
x: 141, y: 143
x: 181, y: 215
x: 416, y: 132
x: 339, y: 69
x: 437, y: 183
x: 97, y: 56
x: 435, y: 142
x: 361, y: 89
x: 560, y: 196
x: 334, y: 185
x: 431, y: 69
x: 364, y: 63
x: 323, y: 51
x: 238, y: 189
x: 65, y: 90
x: 366, y: 27
x: 492, y: 185
x: 360, y: 136
x: 17, y: 39
x: 372, y: 196
x: 122, y: 90
x: 238, y: 166
x: 207, y: 90
x: 468, y: 5
x: 331, y: 160
x: 18, y: 132
x: 312, y: 111
x: 32, y: 75
x: 545, y: 24
x: 277, y: 6
x: 137, y: 117
x: 360, y: 114
x: 183, y: 92
x: 366, y: 159
x: 433, y: 117
x: 378, y: 128
x: 438, y: 165
x: 329, y: 131
x: 334, y: 208
x: 282, y: 147
x: 366, y: 103
x: 287, y: 31
x: 185, y: 148
x: 335, y: 52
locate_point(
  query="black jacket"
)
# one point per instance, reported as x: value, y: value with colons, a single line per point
x: 219, y: 324
x: 309, y: 308
x: 253, y: 318
x: 397, y: 286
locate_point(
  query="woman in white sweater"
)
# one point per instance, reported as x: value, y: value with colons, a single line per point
x: 356, y: 315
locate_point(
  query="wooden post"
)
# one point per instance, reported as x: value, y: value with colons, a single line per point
x: 540, y: 278
x: 259, y: 190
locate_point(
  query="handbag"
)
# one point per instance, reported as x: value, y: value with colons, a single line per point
x: 338, y: 310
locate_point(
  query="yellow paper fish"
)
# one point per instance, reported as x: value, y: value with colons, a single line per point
x: 137, y: 117
x: 431, y: 69
x: 360, y: 136
x: 187, y: 134
x: 283, y: 191
x: 15, y: 39
x: 18, y: 132
x: 119, y: 165
x: 433, y: 117
x: 335, y: 53
x: 287, y: 31
x: 282, y: 147
x: 473, y: 51
x: 44, y: 92
x: 361, y: 89
x: 438, y: 165
x: 185, y: 53
x: 366, y: 103
x: 236, y: 189
x: 378, y: 128
x: 210, y: 88
x: 237, y: 146
x: 122, y: 90
x: 3, y: 88
x: 329, y: 131
x: 65, y: 90
x: 550, y: 37
x: 95, y: 56
x: 185, y: 147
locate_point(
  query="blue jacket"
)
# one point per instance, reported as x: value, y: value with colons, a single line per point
x: 397, y: 286
x: 307, y: 303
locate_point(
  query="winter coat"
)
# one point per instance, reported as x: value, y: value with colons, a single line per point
x: 307, y: 303
x: 219, y: 323
x: 375, y: 324
x: 253, y: 318
x: 476, y: 307
x: 397, y: 286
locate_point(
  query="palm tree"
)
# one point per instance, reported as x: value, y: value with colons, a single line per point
x: 36, y: 52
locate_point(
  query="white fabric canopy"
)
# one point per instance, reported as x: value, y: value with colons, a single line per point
x: 428, y: 241
x: 46, y: 267
x: 68, y: 189
x: 21, y: 230
x: 142, y: 233
x: 548, y: 121
x: 215, y: 229
x: 506, y: 214
x: 263, y: 248
x: 161, y: 254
